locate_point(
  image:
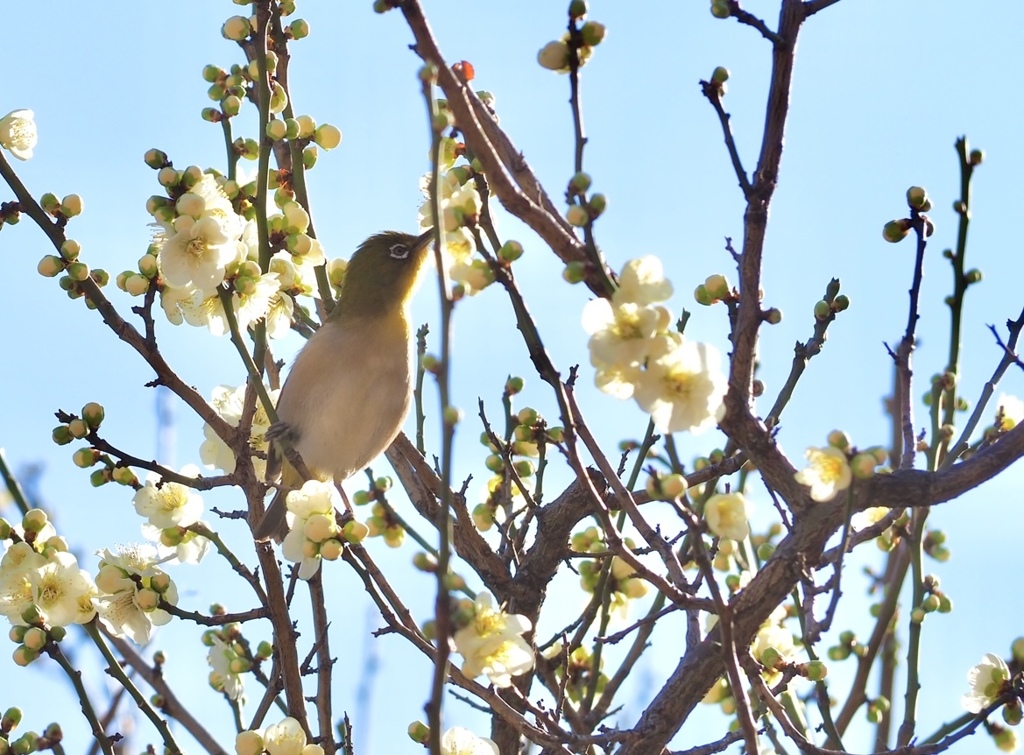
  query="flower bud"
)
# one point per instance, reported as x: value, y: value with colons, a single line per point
x: 593, y: 33
x: 276, y: 129
x: 49, y: 203
x: 973, y: 276
x: 977, y: 157
x: 327, y: 136
x: 597, y: 205
x: 510, y: 251
x: 298, y: 29
x: 236, y: 28
x: 577, y: 216
x: 71, y: 206
x: 419, y: 732
x: 916, y: 197
x: 896, y: 230
x: 822, y: 311
x: 702, y: 296
x: 720, y: 9
x: 50, y: 266
x: 577, y: 9
x: 720, y: 75
x: 554, y: 56
x: 574, y: 272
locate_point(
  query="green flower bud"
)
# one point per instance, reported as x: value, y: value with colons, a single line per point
x: 85, y: 457
x: 277, y: 129
x: 61, y: 435
x: 574, y: 272
x: 816, y: 671
x: 720, y: 75
x: 593, y: 33
x: 896, y: 230
x: 451, y: 416
x: 579, y: 183
x: 298, y: 29
x: 916, y: 197
x: 773, y: 316
x: 973, y: 276
x: 510, y: 251
x: 822, y: 311
x: 381, y: 6
x: 720, y: 9
x: 703, y: 296
x: 841, y: 303
x: 577, y: 9
x: 597, y: 205
x: 514, y: 385
x: 419, y: 732
x: 50, y: 203
x: 977, y: 157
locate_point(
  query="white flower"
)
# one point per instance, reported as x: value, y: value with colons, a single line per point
x: 62, y: 591
x: 181, y: 302
x: 493, y: 643
x: 18, y: 563
x: 228, y: 402
x: 643, y: 282
x: 221, y: 657
x: 18, y: 133
x: 869, y: 516
x: 829, y: 472
x: 772, y: 644
x: 683, y: 385
x: 197, y: 253
x: 170, y: 504
x: 987, y: 680
x: 285, y: 738
x: 726, y: 515
x: 130, y: 590
x: 621, y: 335
x: 1012, y: 409
x: 311, y: 522
x: 459, y: 741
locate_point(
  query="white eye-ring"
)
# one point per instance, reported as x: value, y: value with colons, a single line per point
x: 399, y: 251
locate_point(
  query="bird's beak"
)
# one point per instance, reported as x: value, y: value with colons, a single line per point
x: 424, y: 238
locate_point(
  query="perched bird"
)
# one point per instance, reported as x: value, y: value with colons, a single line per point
x: 348, y: 391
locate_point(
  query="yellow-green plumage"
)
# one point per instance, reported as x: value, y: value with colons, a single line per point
x: 348, y: 390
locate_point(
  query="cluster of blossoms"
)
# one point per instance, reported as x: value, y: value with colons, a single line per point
x: 170, y: 508
x: 229, y: 403
x: 557, y: 55
x: 229, y: 658
x: 831, y: 469
x: 491, y: 641
x: 460, y: 205
x: 313, y: 531
x: 678, y: 382
x: 624, y: 584
x: 42, y: 587
x: 283, y: 738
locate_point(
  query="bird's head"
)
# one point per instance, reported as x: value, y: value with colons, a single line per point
x: 382, y: 274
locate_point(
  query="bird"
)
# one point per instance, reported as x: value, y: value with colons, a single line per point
x: 349, y: 388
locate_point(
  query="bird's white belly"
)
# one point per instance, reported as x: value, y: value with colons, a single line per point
x: 346, y: 401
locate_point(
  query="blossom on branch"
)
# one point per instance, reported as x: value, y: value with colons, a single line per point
x: 18, y: 133
x: 987, y: 681
x: 460, y: 741
x: 131, y: 588
x: 492, y: 643
x: 726, y: 515
x: 828, y: 474
x: 311, y: 525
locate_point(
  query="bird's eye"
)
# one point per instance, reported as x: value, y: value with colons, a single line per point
x: 399, y: 251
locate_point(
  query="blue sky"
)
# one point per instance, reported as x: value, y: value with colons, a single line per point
x: 881, y: 91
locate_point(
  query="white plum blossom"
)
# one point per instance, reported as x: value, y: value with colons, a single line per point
x: 19, y: 561
x: 726, y: 515
x: 288, y: 738
x: 221, y: 658
x: 829, y: 473
x: 61, y: 590
x: 643, y: 282
x: 197, y: 253
x: 683, y: 386
x: 492, y: 643
x: 169, y: 504
x: 18, y: 133
x: 311, y: 522
x: 130, y: 590
x: 229, y: 403
x: 460, y: 741
x: 987, y: 680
